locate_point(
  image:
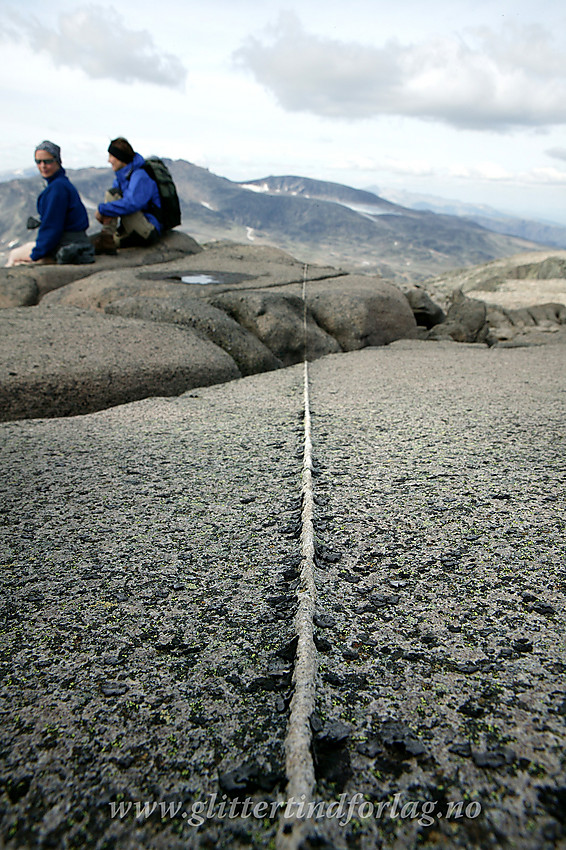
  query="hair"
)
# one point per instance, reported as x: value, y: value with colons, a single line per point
x: 121, y: 149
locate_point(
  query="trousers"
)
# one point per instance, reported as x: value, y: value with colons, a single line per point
x: 133, y: 230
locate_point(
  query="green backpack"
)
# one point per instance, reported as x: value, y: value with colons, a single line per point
x: 169, y: 216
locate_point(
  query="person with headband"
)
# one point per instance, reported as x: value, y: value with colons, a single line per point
x: 128, y: 213
x: 63, y: 219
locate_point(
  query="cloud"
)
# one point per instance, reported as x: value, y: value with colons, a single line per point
x: 546, y: 177
x: 391, y: 165
x: 485, y: 172
x: 557, y: 153
x: 96, y: 40
x: 477, y: 80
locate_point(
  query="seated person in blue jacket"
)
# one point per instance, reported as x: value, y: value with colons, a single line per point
x: 133, y: 199
x: 63, y: 219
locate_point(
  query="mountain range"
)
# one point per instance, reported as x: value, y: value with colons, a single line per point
x: 316, y: 221
x: 542, y: 231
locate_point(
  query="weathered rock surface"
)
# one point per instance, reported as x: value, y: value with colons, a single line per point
x: 261, y: 289
x: 466, y: 321
x: 231, y: 267
x: 255, y: 266
x: 277, y: 319
x: 536, y: 277
x: 149, y: 587
x: 102, y: 289
x: 527, y: 325
x: 61, y: 361
x: 549, y: 268
x: 26, y: 285
x: 426, y: 312
x: 361, y: 311
x: 17, y: 289
x: 445, y: 623
x: 180, y: 308
x: 525, y: 297
x: 246, y: 304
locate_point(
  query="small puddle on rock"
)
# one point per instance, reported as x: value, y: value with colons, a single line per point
x: 199, y: 278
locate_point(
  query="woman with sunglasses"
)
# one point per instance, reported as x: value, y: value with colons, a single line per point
x: 63, y: 219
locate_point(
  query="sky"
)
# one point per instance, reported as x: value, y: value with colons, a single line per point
x: 461, y: 99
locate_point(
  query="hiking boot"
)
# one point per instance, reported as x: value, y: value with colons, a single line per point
x: 104, y: 243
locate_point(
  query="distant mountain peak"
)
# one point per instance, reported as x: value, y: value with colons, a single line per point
x: 320, y: 189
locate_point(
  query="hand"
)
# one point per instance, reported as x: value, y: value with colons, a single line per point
x: 104, y: 219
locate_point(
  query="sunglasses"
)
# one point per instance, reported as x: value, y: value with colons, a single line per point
x: 44, y: 161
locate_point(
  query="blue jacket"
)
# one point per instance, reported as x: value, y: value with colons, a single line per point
x: 139, y: 192
x: 60, y: 209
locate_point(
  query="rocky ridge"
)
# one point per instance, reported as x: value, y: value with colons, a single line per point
x: 164, y: 321
x: 525, y: 295
x: 521, y: 280
x: 132, y: 331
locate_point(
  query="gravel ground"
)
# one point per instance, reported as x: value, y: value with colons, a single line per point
x: 150, y: 558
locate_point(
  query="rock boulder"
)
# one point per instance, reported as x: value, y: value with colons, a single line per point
x: 230, y: 266
x: 360, y: 311
x: 104, y: 288
x: 63, y: 361
x: 17, y: 289
x: 527, y: 325
x: 427, y: 314
x: 466, y: 321
x: 180, y: 308
x: 278, y: 320
x: 127, y: 332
